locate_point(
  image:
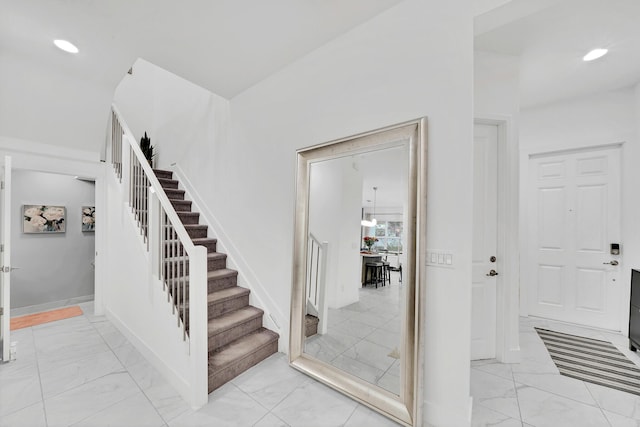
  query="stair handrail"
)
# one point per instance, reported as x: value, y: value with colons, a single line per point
x: 317, y: 280
x: 157, y: 187
x: 197, y: 339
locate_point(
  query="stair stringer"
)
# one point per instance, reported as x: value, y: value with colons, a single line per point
x: 274, y: 318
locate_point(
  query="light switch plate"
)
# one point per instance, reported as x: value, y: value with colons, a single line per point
x: 440, y: 258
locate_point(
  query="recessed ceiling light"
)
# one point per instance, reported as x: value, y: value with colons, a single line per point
x: 66, y: 46
x: 595, y: 54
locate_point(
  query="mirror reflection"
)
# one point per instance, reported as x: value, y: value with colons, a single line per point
x: 354, y: 295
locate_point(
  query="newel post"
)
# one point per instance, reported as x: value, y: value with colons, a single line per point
x: 198, y: 326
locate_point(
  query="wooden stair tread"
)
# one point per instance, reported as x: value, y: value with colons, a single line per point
x: 210, y: 255
x: 229, y: 320
x: 217, y: 255
x: 195, y: 226
x: 239, y: 349
x: 216, y: 274
x: 236, y: 339
x: 226, y: 294
x: 221, y: 274
x: 311, y: 320
x: 202, y: 240
x: 168, y: 181
x: 163, y: 173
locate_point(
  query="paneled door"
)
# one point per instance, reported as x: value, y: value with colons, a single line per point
x: 5, y: 254
x: 573, y: 218
x: 485, y: 228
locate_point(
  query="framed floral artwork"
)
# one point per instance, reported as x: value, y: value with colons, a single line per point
x: 43, y: 219
x: 88, y: 218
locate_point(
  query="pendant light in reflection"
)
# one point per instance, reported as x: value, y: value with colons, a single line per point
x: 372, y: 222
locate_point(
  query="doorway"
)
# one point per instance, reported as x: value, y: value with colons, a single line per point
x: 495, y: 307
x: 56, y: 264
x: 573, y: 223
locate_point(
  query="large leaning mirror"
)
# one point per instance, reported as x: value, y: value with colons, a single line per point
x: 355, y: 310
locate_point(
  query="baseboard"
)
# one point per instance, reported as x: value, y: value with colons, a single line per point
x: 437, y: 415
x: 273, y: 317
x: 39, y: 308
x: 512, y: 355
x: 169, y: 374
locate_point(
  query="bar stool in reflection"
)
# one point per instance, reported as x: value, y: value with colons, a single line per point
x: 386, y: 272
x: 374, y: 273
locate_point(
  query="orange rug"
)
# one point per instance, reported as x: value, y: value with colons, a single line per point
x: 44, y: 317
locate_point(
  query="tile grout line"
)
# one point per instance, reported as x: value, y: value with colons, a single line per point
x: 597, y: 403
x: 35, y: 353
x: 515, y: 388
x: 126, y: 369
x: 79, y: 385
x: 351, y: 415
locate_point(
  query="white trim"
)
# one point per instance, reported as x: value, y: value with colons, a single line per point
x: 38, y: 308
x: 274, y: 318
x: 508, y: 282
x: 183, y: 388
x: 22, y: 146
x: 447, y: 416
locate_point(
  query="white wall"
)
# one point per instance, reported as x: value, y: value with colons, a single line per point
x: 496, y: 84
x: 53, y: 267
x: 413, y: 60
x: 185, y: 123
x: 134, y: 300
x: 410, y: 61
x: 606, y: 118
x: 335, y: 192
x: 182, y: 119
x: 32, y: 108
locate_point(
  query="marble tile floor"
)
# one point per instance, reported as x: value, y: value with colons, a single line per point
x: 533, y: 394
x: 83, y: 372
x: 363, y: 338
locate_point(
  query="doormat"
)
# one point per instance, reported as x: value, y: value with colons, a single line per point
x: 591, y: 360
x: 45, y: 317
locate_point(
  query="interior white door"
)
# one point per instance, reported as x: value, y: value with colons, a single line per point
x: 574, y: 217
x: 5, y: 260
x: 485, y: 228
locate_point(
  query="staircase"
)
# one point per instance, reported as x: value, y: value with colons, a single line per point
x: 236, y: 339
x: 310, y: 325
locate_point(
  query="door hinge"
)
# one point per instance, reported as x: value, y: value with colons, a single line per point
x: 1, y: 185
x: 1, y: 311
x: 1, y: 247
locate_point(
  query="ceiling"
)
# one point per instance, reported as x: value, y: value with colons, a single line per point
x: 552, y: 40
x: 225, y: 46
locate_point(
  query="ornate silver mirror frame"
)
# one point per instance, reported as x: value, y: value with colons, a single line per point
x: 402, y: 407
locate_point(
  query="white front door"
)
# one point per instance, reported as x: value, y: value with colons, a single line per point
x: 485, y: 228
x: 574, y: 217
x: 5, y: 260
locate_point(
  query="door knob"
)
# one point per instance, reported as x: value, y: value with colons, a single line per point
x: 614, y: 262
x: 492, y: 273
